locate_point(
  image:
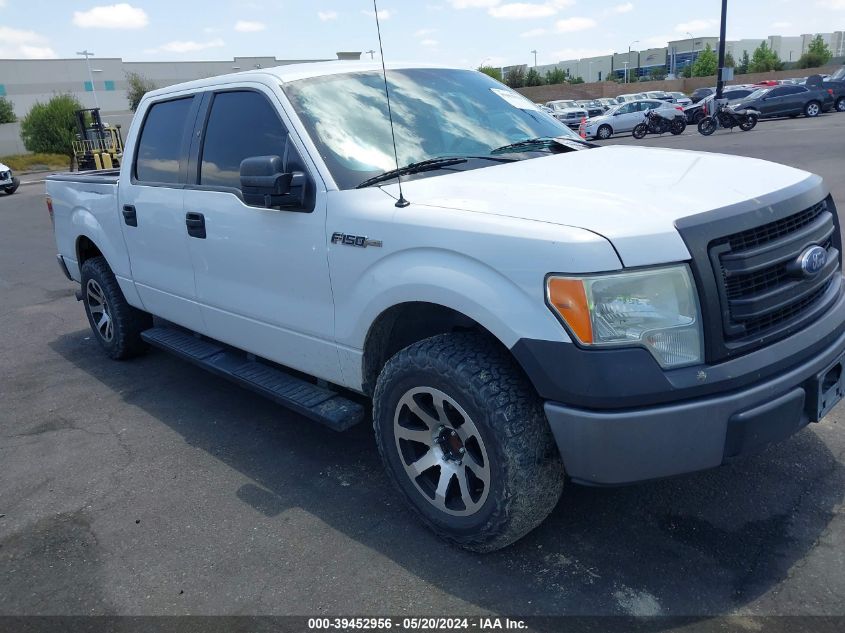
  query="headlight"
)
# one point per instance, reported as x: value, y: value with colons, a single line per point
x: 656, y: 309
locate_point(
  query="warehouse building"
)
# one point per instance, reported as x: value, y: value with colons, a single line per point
x: 27, y: 81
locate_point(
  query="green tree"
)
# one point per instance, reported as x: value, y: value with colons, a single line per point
x: 657, y: 74
x: 137, y: 87
x: 818, y: 54
x: 764, y: 59
x: 7, y: 111
x: 515, y: 77
x: 706, y: 63
x: 687, y: 71
x: 744, y: 64
x: 555, y: 76
x: 575, y: 80
x: 730, y: 62
x: 50, y: 127
x: 533, y: 78
x: 495, y: 73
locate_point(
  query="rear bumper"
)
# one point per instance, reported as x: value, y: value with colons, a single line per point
x: 625, y: 446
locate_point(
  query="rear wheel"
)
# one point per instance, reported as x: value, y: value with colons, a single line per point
x: 464, y: 438
x: 117, y: 326
x: 707, y: 126
x: 812, y: 109
x: 640, y: 130
x: 747, y: 122
x: 604, y: 132
x: 840, y: 104
x: 678, y: 126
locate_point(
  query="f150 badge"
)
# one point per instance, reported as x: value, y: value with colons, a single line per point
x: 361, y: 241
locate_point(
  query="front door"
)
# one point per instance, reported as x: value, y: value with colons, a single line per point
x: 152, y: 215
x: 262, y: 274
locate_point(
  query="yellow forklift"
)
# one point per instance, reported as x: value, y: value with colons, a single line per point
x: 98, y: 145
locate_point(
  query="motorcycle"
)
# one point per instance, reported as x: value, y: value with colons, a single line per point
x: 728, y: 117
x: 657, y: 123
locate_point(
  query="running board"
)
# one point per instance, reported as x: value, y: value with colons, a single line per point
x: 318, y: 403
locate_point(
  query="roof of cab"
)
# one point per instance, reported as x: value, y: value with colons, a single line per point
x: 290, y: 72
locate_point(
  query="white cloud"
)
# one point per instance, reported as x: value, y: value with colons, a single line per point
x: 429, y: 43
x: 473, y: 4
x: 187, y: 46
x: 836, y: 5
x: 247, y: 26
x: 383, y: 14
x: 16, y: 43
x: 579, y: 53
x: 327, y: 15
x: 534, y: 33
x: 695, y: 25
x: 528, y: 10
x: 570, y: 25
x: 627, y: 7
x: 112, y: 16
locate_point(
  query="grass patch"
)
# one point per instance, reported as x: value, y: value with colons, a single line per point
x: 32, y: 162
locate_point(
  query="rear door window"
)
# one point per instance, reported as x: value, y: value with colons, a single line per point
x: 159, y: 158
x: 241, y: 124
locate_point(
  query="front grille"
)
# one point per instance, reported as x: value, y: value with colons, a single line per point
x: 761, y: 284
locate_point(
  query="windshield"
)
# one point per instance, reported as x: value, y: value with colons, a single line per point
x: 758, y: 93
x: 436, y: 113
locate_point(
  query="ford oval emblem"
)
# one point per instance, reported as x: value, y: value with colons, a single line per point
x: 813, y: 260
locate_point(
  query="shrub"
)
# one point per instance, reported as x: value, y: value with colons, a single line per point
x: 51, y: 127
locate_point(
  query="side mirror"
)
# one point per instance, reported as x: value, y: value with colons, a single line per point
x: 264, y: 183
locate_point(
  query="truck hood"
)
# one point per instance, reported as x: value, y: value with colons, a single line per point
x: 632, y: 196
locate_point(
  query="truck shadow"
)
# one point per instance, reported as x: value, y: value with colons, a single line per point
x: 698, y: 545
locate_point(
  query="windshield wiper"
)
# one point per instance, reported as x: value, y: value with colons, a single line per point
x: 426, y: 165
x: 542, y: 142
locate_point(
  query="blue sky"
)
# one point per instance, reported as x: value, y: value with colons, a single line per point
x: 457, y: 32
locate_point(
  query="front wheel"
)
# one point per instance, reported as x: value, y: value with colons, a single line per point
x: 117, y: 326
x: 464, y: 438
x: 678, y: 126
x: 640, y: 130
x: 10, y: 189
x: 747, y: 122
x: 604, y: 132
x: 707, y: 126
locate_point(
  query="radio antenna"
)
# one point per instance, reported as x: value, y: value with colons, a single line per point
x: 401, y: 202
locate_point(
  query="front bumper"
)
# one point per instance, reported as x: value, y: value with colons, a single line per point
x: 613, y: 447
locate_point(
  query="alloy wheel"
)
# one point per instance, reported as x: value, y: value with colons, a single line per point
x: 98, y: 306
x: 442, y: 451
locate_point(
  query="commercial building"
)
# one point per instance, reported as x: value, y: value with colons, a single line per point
x: 678, y: 54
x: 26, y: 81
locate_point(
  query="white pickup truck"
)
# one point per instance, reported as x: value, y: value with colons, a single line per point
x: 528, y: 309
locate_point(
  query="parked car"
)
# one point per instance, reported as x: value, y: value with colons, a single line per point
x: 661, y: 95
x: 788, y: 101
x: 628, y: 97
x: 608, y: 102
x: 515, y: 314
x: 836, y: 84
x: 9, y: 183
x: 699, y: 93
x: 695, y: 112
x: 567, y: 111
x: 681, y: 99
x: 767, y: 82
x: 624, y: 117
x: 592, y: 106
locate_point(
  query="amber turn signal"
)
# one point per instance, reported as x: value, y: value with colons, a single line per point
x: 569, y: 299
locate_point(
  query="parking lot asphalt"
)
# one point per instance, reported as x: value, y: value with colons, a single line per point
x: 152, y: 487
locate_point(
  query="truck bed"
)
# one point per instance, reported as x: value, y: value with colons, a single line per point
x: 101, y: 176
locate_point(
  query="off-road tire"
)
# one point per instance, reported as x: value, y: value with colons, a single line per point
x: 127, y: 322
x: 526, y: 473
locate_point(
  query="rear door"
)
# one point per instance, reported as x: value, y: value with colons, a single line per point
x: 262, y: 274
x: 151, y: 199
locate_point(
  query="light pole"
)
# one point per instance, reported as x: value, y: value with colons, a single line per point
x: 626, y: 71
x: 88, y: 54
x: 629, y: 58
x: 535, y: 57
x: 371, y: 52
